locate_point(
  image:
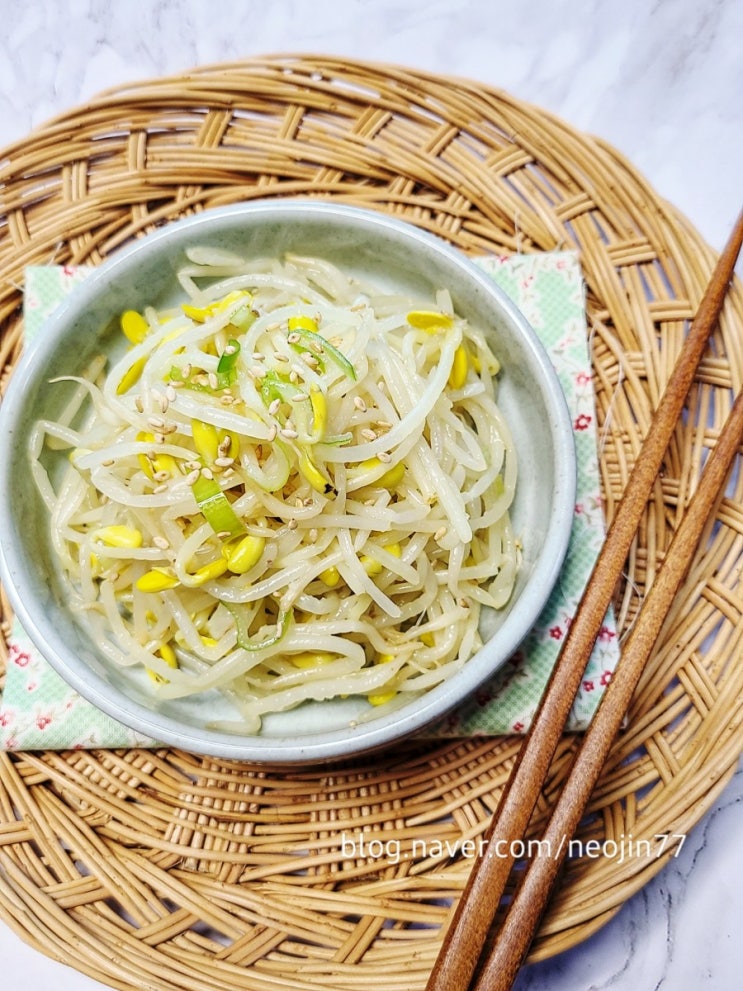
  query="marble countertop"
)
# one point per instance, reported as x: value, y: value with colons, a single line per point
x: 662, y: 82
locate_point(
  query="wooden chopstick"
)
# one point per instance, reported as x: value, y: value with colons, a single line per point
x: 525, y: 911
x: 465, y: 937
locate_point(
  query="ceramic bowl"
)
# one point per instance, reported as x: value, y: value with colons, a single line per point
x: 391, y: 252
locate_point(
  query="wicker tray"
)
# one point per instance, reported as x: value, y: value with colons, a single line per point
x: 164, y: 870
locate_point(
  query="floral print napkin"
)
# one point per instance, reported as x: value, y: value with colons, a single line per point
x: 39, y: 711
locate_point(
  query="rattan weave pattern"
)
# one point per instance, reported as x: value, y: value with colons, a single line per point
x: 168, y: 871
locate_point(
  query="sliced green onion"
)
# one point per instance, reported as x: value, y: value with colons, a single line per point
x: 317, y: 345
x: 227, y: 365
x: 241, y: 319
x: 216, y: 507
x: 240, y: 614
x: 176, y: 375
x: 276, y: 386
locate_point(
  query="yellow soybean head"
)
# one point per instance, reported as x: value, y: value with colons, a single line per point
x: 201, y: 313
x: 330, y: 576
x: 168, y: 655
x: 119, y: 536
x: 391, y: 478
x: 429, y: 320
x: 380, y: 698
x: 302, y: 323
x: 207, y: 573
x: 156, y: 580
x: 131, y: 376
x: 205, y: 440
x: 311, y: 659
x: 460, y: 364
x: 134, y: 326
x: 374, y: 567
x: 157, y: 462
x: 243, y: 554
x: 317, y: 478
x: 319, y: 412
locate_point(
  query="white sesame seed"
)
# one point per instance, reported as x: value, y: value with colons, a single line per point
x: 292, y: 524
x: 163, y: 487
x: 161, y: 476
x: 171, y: 393
x: 156, y: 422
x: 440, y: 533
x: 160, y: 542
x: 384, y: 457
x: 213, y: 381
x: 300, y: 397
x: 224, y: 462
x: 272, y: 431
x: 281, y: 357
x: 313, y: 534
x: 186, y: 371
x: 207, y: 473
x: 368, y: 434
x: 139, y: 405
x: 257, y: 371
x: 227, y: 400
x: 383, y: 424
x: 294, y: 338
x: 274, y: 407
x: 192, y: 476
x: 108, y: 462
x: 359, y: 403
x: 288, y: 433
x: 230, y: 349
x: 257, y: 356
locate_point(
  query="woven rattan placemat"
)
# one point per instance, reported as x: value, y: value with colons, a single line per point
x: 165, y: 870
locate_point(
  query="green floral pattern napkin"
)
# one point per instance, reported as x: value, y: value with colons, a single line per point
x: 39, y: 711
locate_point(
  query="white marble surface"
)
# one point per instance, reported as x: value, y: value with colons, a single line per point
x: 663, y: 82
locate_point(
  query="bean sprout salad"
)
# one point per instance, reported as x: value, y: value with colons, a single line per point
x: 292, y: 486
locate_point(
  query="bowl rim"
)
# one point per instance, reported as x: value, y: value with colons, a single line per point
x: 364, y: 736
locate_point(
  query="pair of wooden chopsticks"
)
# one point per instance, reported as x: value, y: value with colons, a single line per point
x: 459, y: 957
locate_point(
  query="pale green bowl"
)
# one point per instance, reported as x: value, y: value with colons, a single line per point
x: 369, y: 243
